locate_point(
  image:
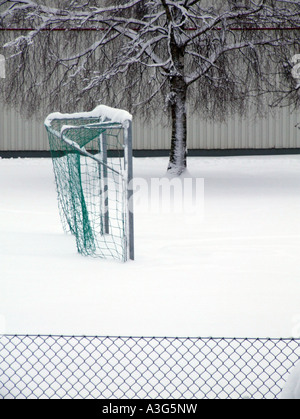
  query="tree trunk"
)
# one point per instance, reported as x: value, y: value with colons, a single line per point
x: 178, y: 153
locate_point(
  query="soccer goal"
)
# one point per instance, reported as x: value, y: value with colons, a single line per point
x: 92, y: 160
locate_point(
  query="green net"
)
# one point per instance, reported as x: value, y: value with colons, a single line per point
x: 91, y: 175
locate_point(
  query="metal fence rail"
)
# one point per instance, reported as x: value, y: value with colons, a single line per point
x: 144, y: 368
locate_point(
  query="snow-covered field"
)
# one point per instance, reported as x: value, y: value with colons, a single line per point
x: 230, y: 271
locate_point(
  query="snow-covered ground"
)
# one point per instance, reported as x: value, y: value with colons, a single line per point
x: 232, y: 271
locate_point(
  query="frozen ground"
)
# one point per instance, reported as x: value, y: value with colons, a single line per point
x: 232, y: 272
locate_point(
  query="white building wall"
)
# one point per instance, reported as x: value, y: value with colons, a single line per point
x: 20, y: 134
x: 275, y: 131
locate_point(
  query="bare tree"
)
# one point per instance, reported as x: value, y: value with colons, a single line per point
x: 148, y: 56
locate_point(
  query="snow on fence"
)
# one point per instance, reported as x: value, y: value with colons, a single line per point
x: 144, y: 368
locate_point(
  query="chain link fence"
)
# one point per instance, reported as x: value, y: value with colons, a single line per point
x: 144, y: 368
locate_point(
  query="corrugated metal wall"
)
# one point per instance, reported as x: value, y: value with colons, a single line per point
x: 18, y: 133
x: 275, y: 131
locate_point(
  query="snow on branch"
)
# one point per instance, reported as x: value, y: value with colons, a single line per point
x: 140, y: 47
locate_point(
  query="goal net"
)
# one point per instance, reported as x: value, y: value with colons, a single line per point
x: 92, y: 160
